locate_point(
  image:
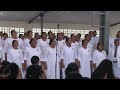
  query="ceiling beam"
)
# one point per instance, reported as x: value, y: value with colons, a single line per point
x: 30, y: 21
x: 115, y: 24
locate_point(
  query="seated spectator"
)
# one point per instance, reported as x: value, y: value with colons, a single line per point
x: 14, y: 71
x: 35, y: 72
x: 35, y: 60
x: 72, y: 67
x: 73, y: 75
x: 4, y: 70
x: 103, y: 71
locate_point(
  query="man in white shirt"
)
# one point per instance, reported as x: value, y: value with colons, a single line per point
x: 95, y: 40
x: 114, y: 56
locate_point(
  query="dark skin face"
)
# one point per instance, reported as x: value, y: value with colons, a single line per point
x: 69, y: 42
x: 87, y: 37
x: 44, y: 36
x: 14, y: 34
x: 118, y: 35
x: 73, y: 38
x: 77, y: 38
x: 37, y: 36
x: 85, y: 43
x: 5, y: 36
x: 116, y: 43
x: 91, y: 34
x: 15, y: 45
x: 94, y: 33
x: 33, y: 43
x: 30, y: 34
x: 100, y: 46
x: 22, y: 36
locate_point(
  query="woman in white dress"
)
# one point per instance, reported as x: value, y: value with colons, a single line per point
x: 53, y: 61
x: 31, y: 51
x: 68, y: 55
x: 84, y: 57
x: 42, y: 44
x: 98, y: 55
x: 15, y: 55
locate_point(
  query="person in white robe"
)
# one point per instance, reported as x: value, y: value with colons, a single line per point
x: 60, y: 41
x: 95, y: 40
x: 114, y: 56
x: 5, y: 36
x: 27, y: 40
x: 53, y: 61
x: 98, y: 55
x: 8, y: 43
x: 37, y: 36
x: 15, y: 55
x: 84, y: 58
x: 68, y: 55
x: 29, y: 52
x: 42, y: 44
x: 111, y: 43
x: 75, y: 44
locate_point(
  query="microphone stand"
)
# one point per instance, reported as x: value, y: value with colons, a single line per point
x: 56, y: 61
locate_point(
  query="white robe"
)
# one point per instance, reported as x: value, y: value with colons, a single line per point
x: 90, y: 46
x: 98, y: 57
x: 84, y: 57
x: 43, y: 45
x: 116, y: 66
x: 26, y: 43
x: 30, y: 52
x: 53, y: 68
x: 8, y: 44
x: 111, y: 43
x: 80, y: 43
x: 61, y: 44
x: 95, y: 42
x: 15, y: 56
x: 68, y: 54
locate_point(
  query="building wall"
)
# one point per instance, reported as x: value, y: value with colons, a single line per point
x: 26, y: 26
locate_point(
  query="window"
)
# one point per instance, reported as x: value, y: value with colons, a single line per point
x: 9, y: 29
x: 67, y: 32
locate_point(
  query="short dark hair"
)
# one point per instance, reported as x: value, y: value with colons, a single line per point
x: 71, y: 35
x: 13, y: 42
x: 12, y: 31
x: 29, y: 32
x: 86, y: 35
x: 116, y: 40
x: 34, y: 59
x: 32, y: 40
x: 72, y: 67
x: 67, y: 39
x: 4, y: 67
x: 34, y: 72
x: 13, y: 71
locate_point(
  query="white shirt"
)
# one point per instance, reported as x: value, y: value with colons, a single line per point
x: 30, y: 52
x: 61, y: 43
x: 8, y: 44
x: 26, y: 42
x: 15, y: 56
x: 95, y: 41
x: 84, y: 57
x: 43, y: 46
x: 98, y: 57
